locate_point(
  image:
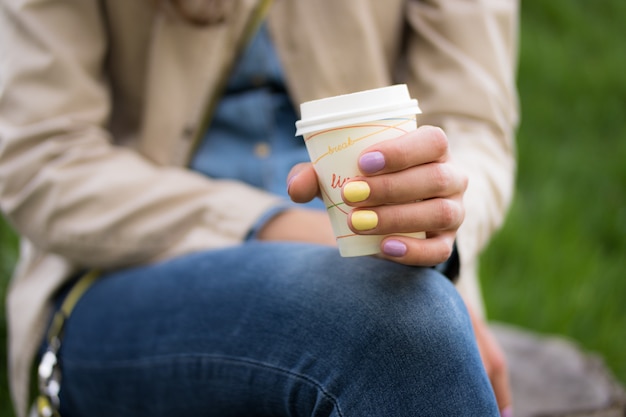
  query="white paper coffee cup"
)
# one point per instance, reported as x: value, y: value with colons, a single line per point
x: 336, y: 130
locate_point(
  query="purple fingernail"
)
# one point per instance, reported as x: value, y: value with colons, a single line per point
x: 290, y: 180
x: 506, y: 412
x: 394, y: 248
x: 371, y: 162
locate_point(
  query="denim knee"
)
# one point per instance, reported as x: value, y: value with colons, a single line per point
x: 399, y: 332
x: 418, y: 313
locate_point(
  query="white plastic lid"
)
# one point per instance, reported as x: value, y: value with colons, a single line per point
x: 363, y: 106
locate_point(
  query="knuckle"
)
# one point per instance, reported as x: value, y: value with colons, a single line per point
x: 464, y: 181
x: 397, y: 219
x: 438, y: 138
x: 448, y: 213
x: 441, y: 178
x: 385, y: 187
x: 402, y: 152
x: 444, y: 254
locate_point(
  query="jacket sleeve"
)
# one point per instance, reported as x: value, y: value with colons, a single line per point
x: 64, y: 184
x: 462, y: 57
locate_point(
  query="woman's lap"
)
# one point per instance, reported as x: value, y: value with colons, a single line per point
x: 272, y: 329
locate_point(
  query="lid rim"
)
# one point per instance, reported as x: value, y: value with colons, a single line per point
x: 356, y: 118
x: 412, y: 103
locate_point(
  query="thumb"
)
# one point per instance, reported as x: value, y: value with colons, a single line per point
x: 302, y: 184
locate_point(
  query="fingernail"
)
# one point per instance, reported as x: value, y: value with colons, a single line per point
x: 506, y: 412
x: 371, y: 162
x: 394, y: 248
x: 290, y: 180
x: 364, y: 219
x: 356, y: 191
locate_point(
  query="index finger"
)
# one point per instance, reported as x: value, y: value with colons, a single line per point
x: 424, y: 145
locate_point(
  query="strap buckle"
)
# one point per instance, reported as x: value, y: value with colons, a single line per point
x: 49, y: 376
x: 49, y: 372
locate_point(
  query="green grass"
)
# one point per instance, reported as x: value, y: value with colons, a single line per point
x: 8, y: 254
x: 559, y: 263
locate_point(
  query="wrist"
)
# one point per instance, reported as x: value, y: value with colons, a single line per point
x: 300, y: 225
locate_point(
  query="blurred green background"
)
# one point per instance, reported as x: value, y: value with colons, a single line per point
x: 559, y: 263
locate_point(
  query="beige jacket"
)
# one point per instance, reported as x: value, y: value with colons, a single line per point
x: 101, y: 101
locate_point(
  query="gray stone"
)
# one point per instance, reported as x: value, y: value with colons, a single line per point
x: 552, y: 376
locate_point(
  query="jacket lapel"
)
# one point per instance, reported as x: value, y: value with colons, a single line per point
x: 187, y: 62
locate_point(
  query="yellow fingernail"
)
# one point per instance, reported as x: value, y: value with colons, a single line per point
x: 364, y: 220
x: 356, y: 191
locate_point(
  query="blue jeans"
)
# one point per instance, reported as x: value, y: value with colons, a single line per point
x: 272, y: 329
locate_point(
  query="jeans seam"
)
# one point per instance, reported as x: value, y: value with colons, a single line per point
x: 144, y: 362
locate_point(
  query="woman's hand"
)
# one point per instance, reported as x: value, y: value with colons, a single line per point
x: 409, y: 184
